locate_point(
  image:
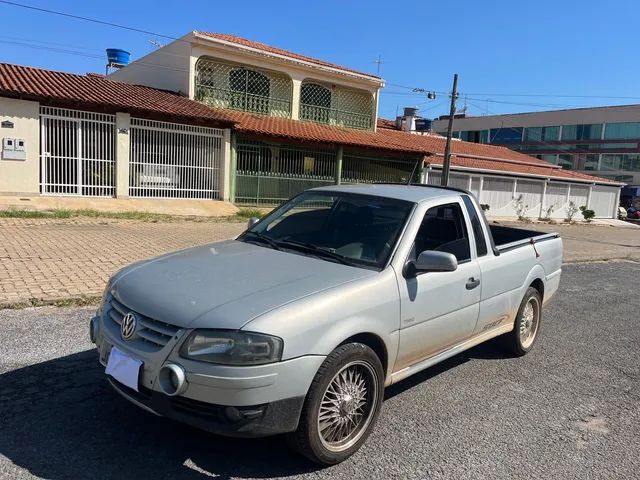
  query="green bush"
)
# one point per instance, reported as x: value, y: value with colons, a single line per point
x: 587, y: 213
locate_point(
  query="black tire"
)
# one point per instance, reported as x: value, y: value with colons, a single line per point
x: 513, y: 341
x: 307, y: 439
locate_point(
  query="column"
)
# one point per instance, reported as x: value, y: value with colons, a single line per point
x: 123, y: 140
x: 233, y: 165
x: 295, y: 99
x: 339, y: 153
x: 224, y: 180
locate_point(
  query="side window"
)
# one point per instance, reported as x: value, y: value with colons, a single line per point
x: 443, y: 229
x: 476, y: 225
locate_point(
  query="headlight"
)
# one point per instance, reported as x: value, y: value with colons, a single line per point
x: 228, y: 347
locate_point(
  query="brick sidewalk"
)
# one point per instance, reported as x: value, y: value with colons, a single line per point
x: 48, y: 259
x: 52, y: 259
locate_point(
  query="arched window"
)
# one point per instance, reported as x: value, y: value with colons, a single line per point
x: 315, y: 102
x: 250, y: 90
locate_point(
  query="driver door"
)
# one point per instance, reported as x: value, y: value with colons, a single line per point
x: 439, y: 309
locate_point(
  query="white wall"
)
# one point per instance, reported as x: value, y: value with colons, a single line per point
x: 21, y: 176
x: 167, y: 68
x: 499, y: 193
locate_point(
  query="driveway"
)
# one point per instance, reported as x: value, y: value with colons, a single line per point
x: 568, y: 410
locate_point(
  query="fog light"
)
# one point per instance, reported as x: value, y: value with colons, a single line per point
x: 172, y: 379
x: 93, y: 329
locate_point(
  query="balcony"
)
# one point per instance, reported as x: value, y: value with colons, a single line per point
x: 314, y: 113
x: 236, y: 87
x: 336, y: 106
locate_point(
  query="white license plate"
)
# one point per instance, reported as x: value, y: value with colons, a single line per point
x: 124, y: 368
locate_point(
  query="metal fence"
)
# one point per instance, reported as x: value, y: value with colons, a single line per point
x: 367, y: 169
x: 227, y: 85
x: 170, y: 160
x: 77, y: 152
x: 336, y: 106
x: 270, y: 174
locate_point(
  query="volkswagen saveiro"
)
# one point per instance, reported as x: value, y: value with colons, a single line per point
x: 299, y: 324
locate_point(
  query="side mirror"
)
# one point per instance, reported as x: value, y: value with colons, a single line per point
x: 431, y: 261
x: 252, y: 221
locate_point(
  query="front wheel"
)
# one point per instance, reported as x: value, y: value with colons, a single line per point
x: 342, y: 405
x: 527, y: 324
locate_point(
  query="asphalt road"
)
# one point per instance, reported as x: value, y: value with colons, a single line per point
x: 569, y: 409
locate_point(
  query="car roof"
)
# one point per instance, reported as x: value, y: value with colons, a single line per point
x: 410, y: 193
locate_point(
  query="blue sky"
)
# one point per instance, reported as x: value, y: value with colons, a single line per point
x: 499, y: 48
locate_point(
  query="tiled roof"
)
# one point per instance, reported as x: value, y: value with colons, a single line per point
x: 465, y: 154
x: 278, y: 51
x: 98, y: 93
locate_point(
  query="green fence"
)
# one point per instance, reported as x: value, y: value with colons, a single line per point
x: 269, y: 174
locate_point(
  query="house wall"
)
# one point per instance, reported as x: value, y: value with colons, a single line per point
x: 173, y: 67
x: 167, y: 68
x: 19, y: 177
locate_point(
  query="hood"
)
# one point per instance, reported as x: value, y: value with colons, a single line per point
x: 225, y: 284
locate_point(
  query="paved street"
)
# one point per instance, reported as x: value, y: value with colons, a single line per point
x: 48, y: 259
x: 568, y: 410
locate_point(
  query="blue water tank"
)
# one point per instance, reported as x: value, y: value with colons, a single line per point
x: 117, y: 56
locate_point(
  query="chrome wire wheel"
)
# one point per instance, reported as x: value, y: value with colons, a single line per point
x: 529, y: 322
x: 347, y: 406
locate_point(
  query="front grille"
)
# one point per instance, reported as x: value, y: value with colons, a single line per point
x: 151, y: 331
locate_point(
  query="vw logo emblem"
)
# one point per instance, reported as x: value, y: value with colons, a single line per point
x: 128, y: 326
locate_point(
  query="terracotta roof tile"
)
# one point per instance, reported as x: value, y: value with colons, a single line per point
x: 278, y: 51
x: 96, y: 93
x: 67, y: 89
x: 464, y: 153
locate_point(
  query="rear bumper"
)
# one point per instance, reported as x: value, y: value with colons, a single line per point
x: 249, y: 421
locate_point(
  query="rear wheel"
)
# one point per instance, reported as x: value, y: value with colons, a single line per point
x: 527, y: 324
x: 342, y: 405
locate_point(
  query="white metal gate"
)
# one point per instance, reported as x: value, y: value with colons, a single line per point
x: 77, y: 152
x: 171, y: 160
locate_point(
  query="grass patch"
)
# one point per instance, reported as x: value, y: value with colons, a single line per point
x: 241, y: 215
x: 23, y: 213
x: 80, y: 301
x: 247, y: 213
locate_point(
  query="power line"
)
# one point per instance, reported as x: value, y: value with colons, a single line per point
x: 88, y: 19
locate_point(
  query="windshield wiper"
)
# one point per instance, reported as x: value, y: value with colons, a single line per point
x: 262, y: 238
x: 318, y: 251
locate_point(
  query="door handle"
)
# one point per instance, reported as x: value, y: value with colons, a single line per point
x: 472, y: 283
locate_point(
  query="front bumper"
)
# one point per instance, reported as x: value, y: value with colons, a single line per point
x: 236, y: 401
x: 253, y: 421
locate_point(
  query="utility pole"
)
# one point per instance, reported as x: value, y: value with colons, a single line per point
x: 446, y: 165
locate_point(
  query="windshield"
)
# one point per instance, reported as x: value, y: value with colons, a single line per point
x: 353, y: 229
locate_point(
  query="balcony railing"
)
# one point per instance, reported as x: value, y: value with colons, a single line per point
x: 246, y: 102
x: 332, y: 116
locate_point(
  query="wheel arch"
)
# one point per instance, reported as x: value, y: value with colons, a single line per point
x: 374, y: 342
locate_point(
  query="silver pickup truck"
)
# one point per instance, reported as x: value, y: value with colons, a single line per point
x: 299, y: 324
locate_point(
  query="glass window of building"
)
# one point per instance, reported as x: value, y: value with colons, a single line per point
x: 475, y: 136
x: 622, y: 130
x: 625, y: 162
x: 582, y: 132
x: 565, y: 161
x: 591, y: 162
x: 505, y: 135
x: 541, y: 134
